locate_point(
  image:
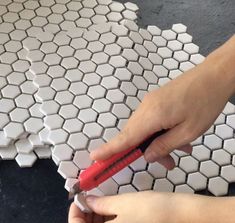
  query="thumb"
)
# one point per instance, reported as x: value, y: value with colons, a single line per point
x: 75, y: 215
x: 133, y: 134
x: 166, y: 143
x: 104, y: 206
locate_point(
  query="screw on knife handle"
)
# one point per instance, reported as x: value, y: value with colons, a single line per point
x: 144, y: 145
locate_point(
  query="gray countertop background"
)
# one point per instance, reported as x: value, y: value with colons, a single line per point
x: 37, y: 195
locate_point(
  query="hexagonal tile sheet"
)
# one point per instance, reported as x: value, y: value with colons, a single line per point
x: 85, y: 114
x: 81, y: 108
x: 20, y: 22
x: 101, y: 102
x: 58, y: 16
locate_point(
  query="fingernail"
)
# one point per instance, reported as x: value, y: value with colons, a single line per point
x: 90, y: 200
x: 150, y: 156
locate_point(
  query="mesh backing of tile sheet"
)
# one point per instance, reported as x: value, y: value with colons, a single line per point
x: 98, y: 78
x: 21, y: 122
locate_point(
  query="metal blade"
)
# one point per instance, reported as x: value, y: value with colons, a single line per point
x: 75, y: 189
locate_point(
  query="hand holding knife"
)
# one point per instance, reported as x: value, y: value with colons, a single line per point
x: 100, y: 171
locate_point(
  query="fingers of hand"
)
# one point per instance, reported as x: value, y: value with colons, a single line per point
x: 76, y: 215
x: 103, y: 205
x: 115, y: 145
x: 98, y: 219
x: 163, y: 145
x: 133, y: 134
x: 187, y: 148
x: 167, y: 161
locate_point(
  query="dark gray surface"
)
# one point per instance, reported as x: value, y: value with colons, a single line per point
x: 37, y: 194
x: 210, y: 22
x: 33, y: 195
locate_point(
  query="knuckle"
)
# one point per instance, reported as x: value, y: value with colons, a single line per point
x: 162, y: 148
x: 115, y: 144
x: 118, y: 141
x: 189, y: 134
x: 125, y: 137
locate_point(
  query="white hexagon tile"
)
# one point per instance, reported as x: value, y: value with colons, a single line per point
x: 99, y: 78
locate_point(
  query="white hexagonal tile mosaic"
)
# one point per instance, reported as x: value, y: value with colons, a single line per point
x: 72, y: 73
x: 108, y: 86
x: 20, y: 21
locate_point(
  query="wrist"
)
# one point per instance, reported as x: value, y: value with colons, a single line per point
x: 189, y: 208
x: 216, y: 210
x: 183, y: 208
x: 204, y: 209
x: 222, y: 64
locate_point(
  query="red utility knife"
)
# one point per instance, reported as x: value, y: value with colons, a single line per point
x: 100, y: 171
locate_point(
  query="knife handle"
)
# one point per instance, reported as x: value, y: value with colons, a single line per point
x: 100, y: 171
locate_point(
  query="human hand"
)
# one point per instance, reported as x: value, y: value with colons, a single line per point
x: 186, y: 106
x: 77, y: 216
x: 141, y: 207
